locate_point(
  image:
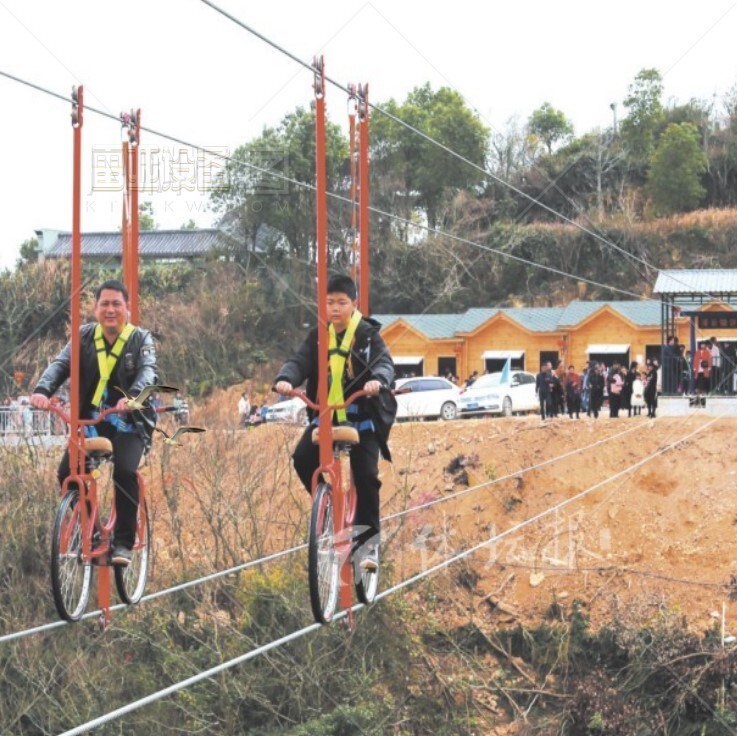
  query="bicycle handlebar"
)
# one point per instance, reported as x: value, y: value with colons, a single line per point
x: 56, y: 409
x: 332, y: 407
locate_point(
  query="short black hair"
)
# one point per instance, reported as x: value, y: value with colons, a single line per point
x: 112, y: 285
x: 342, y: 284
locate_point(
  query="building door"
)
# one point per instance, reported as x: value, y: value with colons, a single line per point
x: 408, y: 367
x: 446, y: 366
x: 609, y: 359
x: 653, y: 352
x: 496, y: 365
x: 549, y: 356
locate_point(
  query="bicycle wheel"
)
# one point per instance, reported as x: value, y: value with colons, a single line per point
x: 366, y: 581
x: 131, y: 579
x: 70, y: 575
x: 323, y: 564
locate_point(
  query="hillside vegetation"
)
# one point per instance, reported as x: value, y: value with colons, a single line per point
x: 478, y: 648
x: 219, y: 322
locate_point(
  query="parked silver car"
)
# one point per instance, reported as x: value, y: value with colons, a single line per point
x: 293, y: 411
x: 427, y: 397
x: 487, y: 395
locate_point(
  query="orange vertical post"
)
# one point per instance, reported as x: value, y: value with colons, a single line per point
x: 326, y: 415
x: 125, y: 224
x: 363, y: 189
x: 352, y: 153
x: 135, y: 139
x: 321, y: 210
x: 76, y: 453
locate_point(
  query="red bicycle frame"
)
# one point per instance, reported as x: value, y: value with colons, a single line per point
x: 345, y: 508
x: 86, y: 482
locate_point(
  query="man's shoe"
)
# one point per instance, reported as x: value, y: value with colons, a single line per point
x: 370, y: 562
x: 121, y: 556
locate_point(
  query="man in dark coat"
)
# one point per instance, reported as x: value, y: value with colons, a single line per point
x: 596, y: 389
x: 368, y: 366
x: 128, y: 357
x: 543, y: 388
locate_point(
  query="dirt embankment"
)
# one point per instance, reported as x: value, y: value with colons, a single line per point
x: 661, y: 536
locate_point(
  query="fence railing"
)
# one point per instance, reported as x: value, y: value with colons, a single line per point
x: 23, y: 421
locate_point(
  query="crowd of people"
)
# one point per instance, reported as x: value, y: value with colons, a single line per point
x: 562, y: 390
x: 711, y: 369
x: 250, y: 415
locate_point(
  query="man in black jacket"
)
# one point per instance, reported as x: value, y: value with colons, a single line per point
x: 368, y: 366
x: 543, y: 388
x: 114, y: 355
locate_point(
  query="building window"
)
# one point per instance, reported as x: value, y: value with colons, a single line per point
x: 408, y: 367
x: 549, y: 356
x: 446, y: 366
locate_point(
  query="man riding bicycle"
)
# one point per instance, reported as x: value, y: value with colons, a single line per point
x: 114, y: 355
x: 367, y: 365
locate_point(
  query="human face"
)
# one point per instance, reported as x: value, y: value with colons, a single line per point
x: 111, y: 311
x: 340, y: 309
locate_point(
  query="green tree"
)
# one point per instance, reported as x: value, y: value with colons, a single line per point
x: 674, y: 180
x: 146, y: 216
x: 645, y: 113
x: 425, y: 174
x: 28, y: 251
x: 549, y: 125
x: 255, y: 197
x: 271, y: 221
x: 189, y: 225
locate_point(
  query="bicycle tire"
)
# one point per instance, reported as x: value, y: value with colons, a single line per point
x: 366, y: 582
x: 130, y: 580
x: 322, y: 556
x: 70, y: 576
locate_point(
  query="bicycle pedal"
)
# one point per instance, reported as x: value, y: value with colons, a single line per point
x: 101, y: 560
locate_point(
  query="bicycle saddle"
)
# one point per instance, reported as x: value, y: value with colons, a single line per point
x: 98, y: 447
x: 347, y: 435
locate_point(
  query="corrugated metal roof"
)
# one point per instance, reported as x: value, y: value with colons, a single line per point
x: 434, y: 326
x: 536, y: 319
x: 644, y: 313
x: 151, y: 244
x: 475, y: 317
x: 696, y: 281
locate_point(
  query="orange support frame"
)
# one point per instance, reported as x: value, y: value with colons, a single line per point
x: 345, y: 597
x: 76, y: 431
x: 321, y: 209
x: 76, y: 448
x: 363, y: 190
x: 130, y: 227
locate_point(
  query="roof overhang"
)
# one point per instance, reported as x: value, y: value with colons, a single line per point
x: 608, y: 349
x: 502, y: 354
x: 407, y: 359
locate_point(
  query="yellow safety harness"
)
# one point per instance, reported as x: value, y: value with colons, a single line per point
x: 107, y: 361
x: 338, y: 357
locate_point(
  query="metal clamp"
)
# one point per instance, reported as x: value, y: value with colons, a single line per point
x: 318, y: 64
x: 363, y: 102
x: 129, y: 122
x: 77, y: 106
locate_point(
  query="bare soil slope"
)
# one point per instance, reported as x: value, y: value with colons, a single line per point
x: 660, y: 536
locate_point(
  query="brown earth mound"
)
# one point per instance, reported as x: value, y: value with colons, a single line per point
x: 661, y: 536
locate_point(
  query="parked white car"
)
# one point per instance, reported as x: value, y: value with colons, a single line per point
x: 293, y: 411
x: 427, y: 397
x: 488, y: 396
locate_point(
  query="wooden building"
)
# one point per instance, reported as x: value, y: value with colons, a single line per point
x: 482, y: 339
